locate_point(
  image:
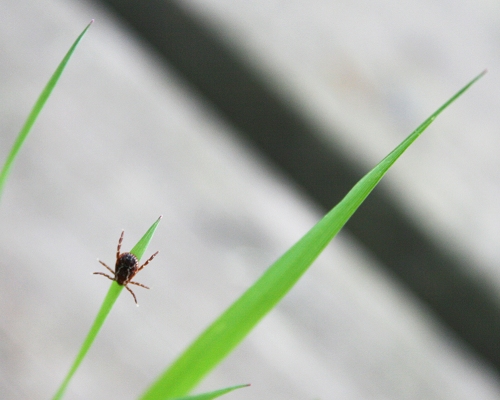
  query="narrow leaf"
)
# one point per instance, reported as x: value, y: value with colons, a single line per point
x: 42, y: 99
x: 211, y: 395
x: 113, y: 293
x: 220, y: 338
x: 110, y: 299
x: 140, y: 248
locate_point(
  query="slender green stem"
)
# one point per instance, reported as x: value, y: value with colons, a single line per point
x: 113, y: 293
x: 42, y: 99
x: 211, y: 395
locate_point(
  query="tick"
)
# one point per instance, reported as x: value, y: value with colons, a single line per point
x: 126, y: 267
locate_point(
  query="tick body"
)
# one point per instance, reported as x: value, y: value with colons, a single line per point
x: 126, y: 267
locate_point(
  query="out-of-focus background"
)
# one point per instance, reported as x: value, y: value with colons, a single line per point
x: 242, y: 123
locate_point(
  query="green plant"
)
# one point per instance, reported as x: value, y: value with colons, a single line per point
x: 227, y: 331
x: 113, y: 293
x: 35, y: 111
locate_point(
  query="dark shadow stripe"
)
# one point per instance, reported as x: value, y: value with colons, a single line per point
x: 468, y: 306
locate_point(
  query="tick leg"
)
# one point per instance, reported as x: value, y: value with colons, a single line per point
x: 148, y: 261
x: 138, y: 284
x: 119, y: 245
x: 103, y: 274
x: 132, y: 293
x: 109, y: 269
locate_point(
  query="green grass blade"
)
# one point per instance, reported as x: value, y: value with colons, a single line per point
x: 141, y: 246
x: 236, y: 322
x: 211, y: 395
x: 113, y: 293
x: 42, y: 99
x: 110, y: 299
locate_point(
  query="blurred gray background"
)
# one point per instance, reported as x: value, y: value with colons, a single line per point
x: 242, y: 123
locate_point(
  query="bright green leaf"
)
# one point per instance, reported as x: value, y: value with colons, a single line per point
x: 140, y: 248
x: 110, y: 299
x: 220, y: 338
x: 211, y: 395
x: 42, y: 99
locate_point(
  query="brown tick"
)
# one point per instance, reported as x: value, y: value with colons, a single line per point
x: 126, y: 267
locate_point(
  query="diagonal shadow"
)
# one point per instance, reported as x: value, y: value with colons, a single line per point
x: 465, y: 304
